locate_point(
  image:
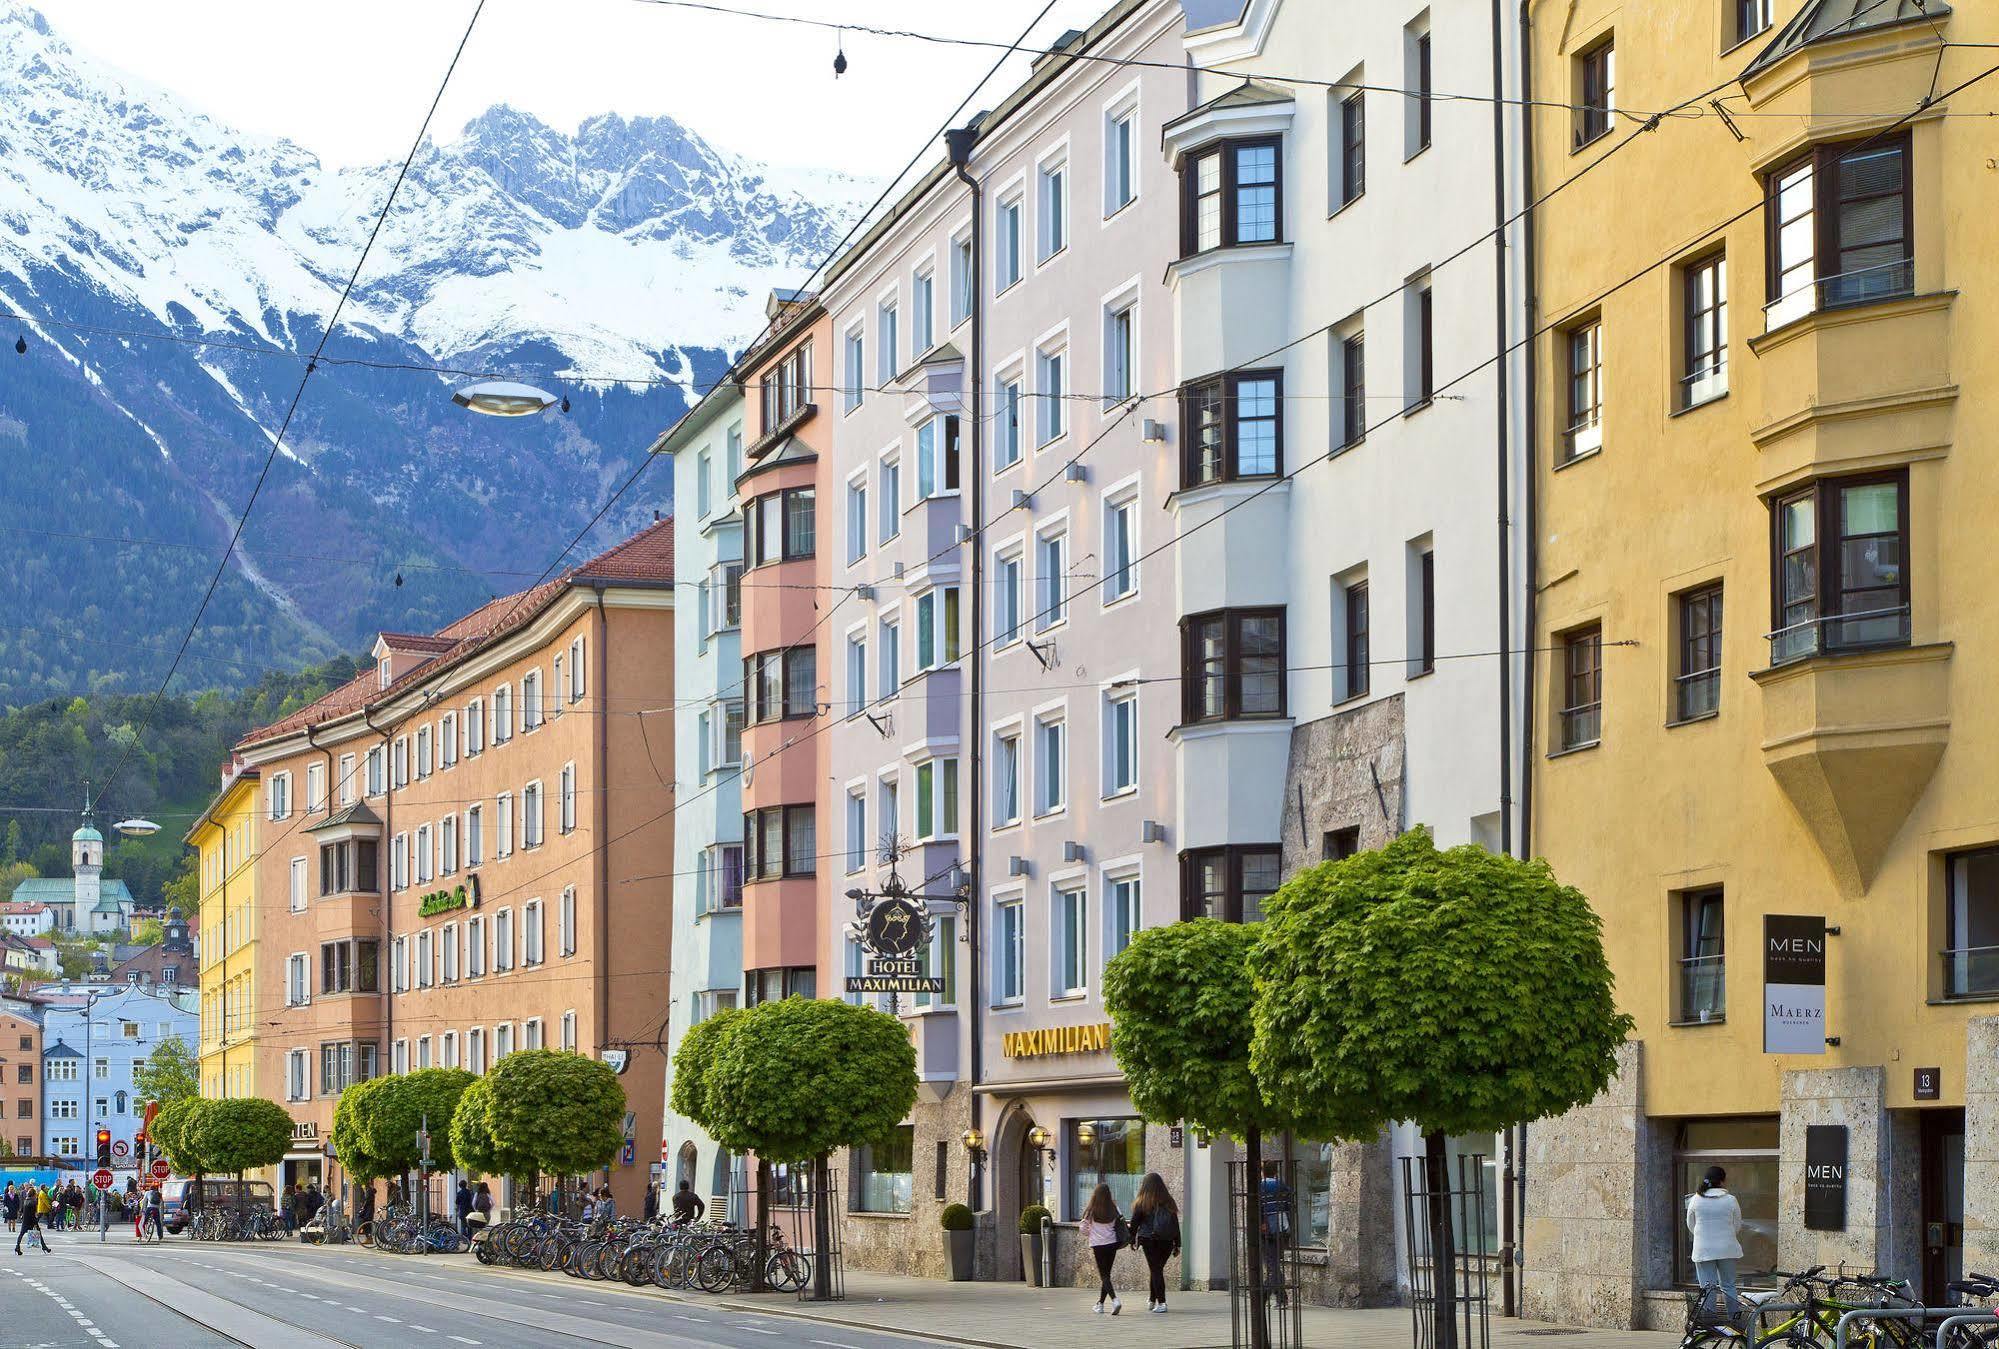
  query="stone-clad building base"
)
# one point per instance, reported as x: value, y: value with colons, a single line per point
x: 1602, y: 1204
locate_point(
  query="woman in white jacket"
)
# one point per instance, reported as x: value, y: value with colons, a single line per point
x: 1715, y: 1220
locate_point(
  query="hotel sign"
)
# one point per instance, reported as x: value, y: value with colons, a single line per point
x: 1034, y: 1044
x: 1793, y: 984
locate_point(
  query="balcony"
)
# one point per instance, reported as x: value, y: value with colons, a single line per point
x: 1852, y: 738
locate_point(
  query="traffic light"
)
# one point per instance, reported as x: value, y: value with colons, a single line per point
x: 104, y: 1147
x: 139, y: 1146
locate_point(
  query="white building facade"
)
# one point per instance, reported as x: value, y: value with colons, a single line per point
x: 707, y: 950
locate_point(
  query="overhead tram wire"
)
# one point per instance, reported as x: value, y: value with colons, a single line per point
x: 277, y: 440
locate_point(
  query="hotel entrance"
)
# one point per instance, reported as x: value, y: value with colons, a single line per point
x: 1943, y: 1203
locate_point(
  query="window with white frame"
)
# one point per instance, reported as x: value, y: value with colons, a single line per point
x: 888, y: 815
x: 579, y: 674
x: 475, y: 947
x: 734, y: 447
x: 1007, y: 425
x: 447, y: 844
x: 298, y: 977
x: 729, y: 751
x: 940, y: 961
x: 278, y: 796
x: 704, y: 491
x: 426, y: 858
x: 530, y: 700
x: 475, y: 727
x: 447, y: 947
x: 857, y: 672
x: 1009, y: 951
x: 1051, y: 208
x: 1006, y: 778
x: 423, y: 751
x: 315, y: 788
x: 888, y: 494
x: 1009, y: 595
x: 853, y: 362
x: 1120, y: 543
x: 503, y: 825
x: 888, y: 348
x: 347, y: 779
x: 475, y: 842
x: 962, y: 279
x: 1121, y: 153
x: 298, y: 1075
x: 399, y: 1057
x: 531, y: 831
x: 566, y: 805
x: 1051, y: 576
x: 423, y: 1051
x: 1120, y: 350
x: 448, y: 1050
x: 857, y: 518
x: 399, y: 965
x: 503, y: 941
x: 531, y: 1033
x: 298, y: 883
x: 503, y: 1040
x: 937, y: 456
x: 1122, y: 915
x: 922, y: 311
x: 936, y: 627
x: 888, y: 661
x: 447, y: 740
x: 565, y: 922
x: 1051, y: 768
x: 569, y: 1032
x: 1120, y: 717
x: 555, y: 686
x: 857, y: 828
x: 937, y: 799
x: 426, y: 968
x: 399, y: 762
x: 1007, y: 241
x: 376, y: 769
x: 475, y: 1050
x: 502, y: 715
x: 532, y: 933
x: 1051, y: 388
x: 1071, y: 930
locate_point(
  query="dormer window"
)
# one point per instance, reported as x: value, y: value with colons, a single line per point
x: 1231, y: 195
x: 382, y: 672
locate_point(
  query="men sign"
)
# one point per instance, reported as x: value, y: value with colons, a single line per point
x: 1793, y: 984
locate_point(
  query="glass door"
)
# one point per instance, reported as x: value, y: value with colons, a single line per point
x: 1943, y: 1202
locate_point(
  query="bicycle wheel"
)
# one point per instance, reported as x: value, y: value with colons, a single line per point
x: 788, y: 1271
x: 715, y: 1269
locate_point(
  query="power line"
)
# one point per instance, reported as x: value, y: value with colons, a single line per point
x: 298, y: 397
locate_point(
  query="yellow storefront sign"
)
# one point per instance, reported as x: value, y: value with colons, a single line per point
x: 1030, y: 1044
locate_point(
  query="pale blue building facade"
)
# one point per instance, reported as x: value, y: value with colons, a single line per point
x: 92, y: 1040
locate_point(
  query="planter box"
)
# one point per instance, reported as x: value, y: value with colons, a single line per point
x: 960, y: 1252
x: 1030, y: 1258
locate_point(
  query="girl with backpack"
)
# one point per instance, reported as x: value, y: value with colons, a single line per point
x: 1155, y: 1230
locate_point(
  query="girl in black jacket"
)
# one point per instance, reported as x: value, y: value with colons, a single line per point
x: 1155, y: 1229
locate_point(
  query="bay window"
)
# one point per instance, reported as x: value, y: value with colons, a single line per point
x: 779, y: 526
x: 779, y: 841
x: 1230, y: 195
x: 781, y: 685
x: 1232, y: 427
x: 1840, y: 225
x: 1230, y: 883
x: 1232, y: 665
x: 1839, y: 573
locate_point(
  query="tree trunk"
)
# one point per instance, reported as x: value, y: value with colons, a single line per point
x: 822, y: 1231
x: 1254, y: 1238
x: 1443, y: 1244
x: 758, y: 1283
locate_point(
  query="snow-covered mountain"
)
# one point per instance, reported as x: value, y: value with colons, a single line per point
x: 630, y: 249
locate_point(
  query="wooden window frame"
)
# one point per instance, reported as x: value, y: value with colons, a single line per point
x: 1228, y: 192
x: 1353, y: 147
x: 1826, y: 552
x: 1354, y: 639
x: 1227, y: 386
x: 1191, y: 705
x: 1581, y: 687
x: 1690, y: 646
x: 1232, y: 856
x: 1825, y: 160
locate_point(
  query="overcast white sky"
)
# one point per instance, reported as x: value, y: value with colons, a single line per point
x: 349, y: 79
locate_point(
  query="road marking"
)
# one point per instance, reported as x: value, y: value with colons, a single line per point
x: 755, y: 1330
x: 836, y: 1344
x: 462, y: 1340
x: 424, y: 1329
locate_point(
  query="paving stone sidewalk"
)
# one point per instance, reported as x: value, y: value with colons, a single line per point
x: 1014, y: 1316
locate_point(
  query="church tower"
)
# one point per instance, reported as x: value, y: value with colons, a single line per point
x: 86, y: 861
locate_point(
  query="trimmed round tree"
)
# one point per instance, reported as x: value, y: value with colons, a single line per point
x: 170, y: 1132
x: 692, y: 1059
x: 389, y: 1117
x: 1462, y: 990
x: 1181, y: 1002
x: 565, y: 1112
x: 794, y: 1079
x: 350, y: 1137
x: 472, y: 1139
x: 240, y: 1134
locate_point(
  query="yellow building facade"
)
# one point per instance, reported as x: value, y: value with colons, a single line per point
x: 225, y: 837
x: 1764, y: 615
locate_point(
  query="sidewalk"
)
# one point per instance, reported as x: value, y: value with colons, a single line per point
x: 1015, y: 1316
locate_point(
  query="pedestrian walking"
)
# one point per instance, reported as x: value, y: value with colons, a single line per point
x: 288, y: 1207
x: 10, y: 1205
x: 155, y: 1217
x: 1714, y: 1219
x: 688, y: 1206
x: 1105, y: 1230
x: 462, y: 1205
x: 1275, y: 1201
x: 652, y: 1200
x: 31, y: 1219
x: 1155, y: 1230
x: 44, y: 1206
x: 482, y: 1209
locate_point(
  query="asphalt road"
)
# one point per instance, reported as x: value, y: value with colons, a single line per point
x: 193, y: 1295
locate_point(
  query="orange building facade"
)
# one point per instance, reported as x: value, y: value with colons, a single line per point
x: 472, y: 852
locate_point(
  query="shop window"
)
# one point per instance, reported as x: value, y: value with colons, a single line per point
x: 1103, y: 1152
x: 1746, y: 1148
x: 883, y: 1173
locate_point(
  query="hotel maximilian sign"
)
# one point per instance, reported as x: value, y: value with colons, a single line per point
x: 1034, y: 1044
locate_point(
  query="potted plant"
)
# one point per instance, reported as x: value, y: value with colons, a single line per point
x: 1031, y: 1219
x: 960, y: 1241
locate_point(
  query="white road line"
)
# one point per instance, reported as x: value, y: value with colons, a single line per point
x: 462, y: 1340
x: 836, y: 1344
x: 390, y: 1319
x: 755, y: 1330
x: 424, y: 1330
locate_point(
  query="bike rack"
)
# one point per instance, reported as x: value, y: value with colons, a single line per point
x: 1966, y: 1319
x: 1951, y: 1315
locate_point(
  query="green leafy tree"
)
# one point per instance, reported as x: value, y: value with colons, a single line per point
x: 148, y: 932
x: 240, y: 1133
x: 172, y: 1133
x: 1181, y: 1003
x: 564, y: 1111
x: 10, y: 851
x: 472, y: 1140
x: 796, y: 1078
x: 691, y: 1060
x: 1462, y: 990
x: 350, y: 1137
x: 389, y: 1116
x: 168, y: 1074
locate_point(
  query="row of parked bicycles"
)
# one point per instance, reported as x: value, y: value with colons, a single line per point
x: 1881, y: 1312
x: 233, y: 1224
x: 714, y: 1257
x: 400, y: 1230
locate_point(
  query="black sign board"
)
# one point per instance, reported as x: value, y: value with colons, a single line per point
x: 1929, y: 1084
x: 1825, y: 1177
x: 1793, y: 949
x: 1177, y: 1136
x: 1793, y: 984
x: 894, y: 974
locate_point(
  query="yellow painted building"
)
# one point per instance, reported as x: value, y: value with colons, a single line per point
x: 226, y: 838
x: 1765, y: 602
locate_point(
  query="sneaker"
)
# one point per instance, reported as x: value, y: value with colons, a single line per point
x: 1099, y: 1308
x: 1117, y: 1305
x: 1160, y: 1309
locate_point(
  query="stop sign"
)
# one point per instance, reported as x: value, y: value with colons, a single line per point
x: 161, y: 1170
x: 101, y: 1178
